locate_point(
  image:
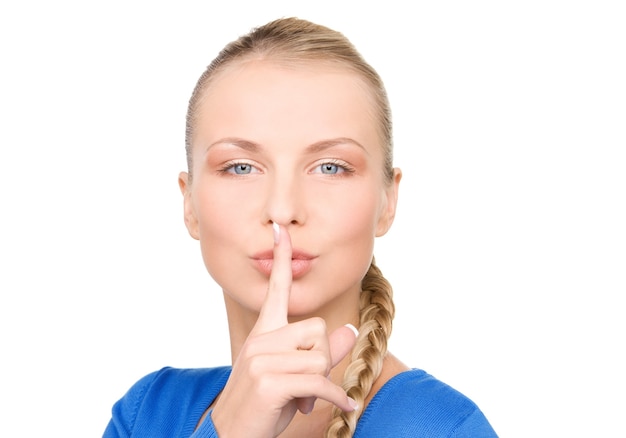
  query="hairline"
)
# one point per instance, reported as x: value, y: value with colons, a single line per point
x: 293, y: 62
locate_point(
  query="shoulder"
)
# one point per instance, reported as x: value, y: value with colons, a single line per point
x: 414, y: 403
x: 168, y: 399
x: 179, y: 382
x: 176, y: 385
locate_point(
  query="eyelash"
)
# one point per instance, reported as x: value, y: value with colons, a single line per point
x: 228, y: 168
x: 340, y: 164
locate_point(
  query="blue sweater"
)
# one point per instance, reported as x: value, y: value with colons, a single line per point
x: 170, y: 403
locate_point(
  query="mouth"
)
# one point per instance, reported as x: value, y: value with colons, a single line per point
x: 301, y: 263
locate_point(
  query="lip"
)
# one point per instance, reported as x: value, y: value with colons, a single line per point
x: 301, y: 262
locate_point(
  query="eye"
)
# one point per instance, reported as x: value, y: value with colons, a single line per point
x: 332, y: 168
x: 239, y: 168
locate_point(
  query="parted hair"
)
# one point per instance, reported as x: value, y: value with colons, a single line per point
x: 293, y: 41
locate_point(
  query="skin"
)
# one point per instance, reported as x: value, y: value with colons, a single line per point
x: 287, y: 162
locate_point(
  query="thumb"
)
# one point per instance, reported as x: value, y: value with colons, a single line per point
x: 341, y: 341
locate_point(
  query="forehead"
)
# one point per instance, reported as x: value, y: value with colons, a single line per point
x: 307, y: 102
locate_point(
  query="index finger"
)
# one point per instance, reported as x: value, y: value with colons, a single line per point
x: 274, y: 311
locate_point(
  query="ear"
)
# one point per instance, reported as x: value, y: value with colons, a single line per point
x: 390, y: 202
x: 191, y: 219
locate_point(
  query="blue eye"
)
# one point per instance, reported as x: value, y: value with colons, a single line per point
x: 240, y: 169
x: 333, y: 167
x: 330, y: 168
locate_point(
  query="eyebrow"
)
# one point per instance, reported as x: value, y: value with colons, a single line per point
x: 313, y: 148
x: 325, y: 144
x: 235, y: 141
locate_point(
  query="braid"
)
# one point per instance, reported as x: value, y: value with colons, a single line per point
x: 377, y: 311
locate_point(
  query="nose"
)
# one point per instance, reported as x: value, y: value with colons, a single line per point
x: 285, y: 201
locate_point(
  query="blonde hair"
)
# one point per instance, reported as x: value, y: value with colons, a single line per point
x: 294, y: 41
x: 377, y: 312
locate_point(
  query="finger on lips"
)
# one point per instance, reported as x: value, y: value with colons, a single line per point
x: 274, y: 310
x: 306, y: 352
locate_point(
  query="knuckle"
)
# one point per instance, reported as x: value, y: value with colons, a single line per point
x: 320, y: 362
x: 321, y: 384
x: 318, y: 326
x: 254, y: 345
x: 247, y: 350
x: 265, y: 384
x: 256, y: 367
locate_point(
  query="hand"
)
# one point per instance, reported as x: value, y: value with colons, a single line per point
x: 282, y: 367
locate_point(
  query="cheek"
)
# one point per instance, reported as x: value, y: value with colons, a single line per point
x: 222, y: 219
x: 348, y: 231
x: 222, y: 210
x: 214, y: 218
x: 352, y: 214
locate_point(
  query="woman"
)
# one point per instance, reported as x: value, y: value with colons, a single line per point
x: 289, y: 182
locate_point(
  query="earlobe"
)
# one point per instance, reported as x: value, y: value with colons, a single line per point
x: 389, y: 205
x: 191, y: 221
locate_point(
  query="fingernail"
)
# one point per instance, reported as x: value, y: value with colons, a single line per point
x: 353, y: 404
x: 354, y: 330
x: 276, y: 232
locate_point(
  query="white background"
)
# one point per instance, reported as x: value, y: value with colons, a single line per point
x: 508, y: 254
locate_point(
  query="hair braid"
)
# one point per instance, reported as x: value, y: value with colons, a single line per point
x: 377, y: 312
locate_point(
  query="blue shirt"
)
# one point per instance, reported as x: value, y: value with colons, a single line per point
x: 170, y: 403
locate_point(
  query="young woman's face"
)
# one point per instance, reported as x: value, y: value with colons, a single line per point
x: 300, y: 147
